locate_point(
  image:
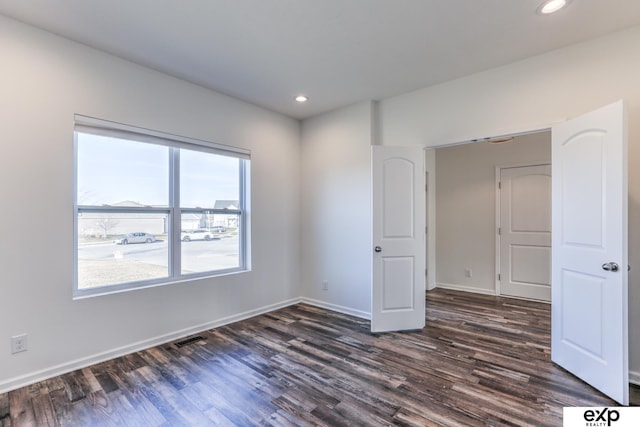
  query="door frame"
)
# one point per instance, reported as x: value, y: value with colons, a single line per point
x: 432, y: 218
x: 430, y: 212
x: 498, y: 266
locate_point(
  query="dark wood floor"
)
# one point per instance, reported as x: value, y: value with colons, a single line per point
x: 480, y: 361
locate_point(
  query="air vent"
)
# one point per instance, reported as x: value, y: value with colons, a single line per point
x: 188, y: 341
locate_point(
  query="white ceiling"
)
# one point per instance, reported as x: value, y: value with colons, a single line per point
x: 337, y: 52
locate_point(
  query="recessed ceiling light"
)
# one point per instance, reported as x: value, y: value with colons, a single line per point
x: 552, y: 6
x: 301, y: 98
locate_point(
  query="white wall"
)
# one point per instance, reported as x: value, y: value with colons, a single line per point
x: 336, y: 209
x: 466, y: 207
x: 45, y: 80
x: 529, y: 94
x: 532, y: 94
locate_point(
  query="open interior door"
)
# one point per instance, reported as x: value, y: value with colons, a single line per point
x: 399, y: 246
x: 589, y: 323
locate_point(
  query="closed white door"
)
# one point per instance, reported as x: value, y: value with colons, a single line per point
x: 589, y: 319
x: 399, y: 246
x: 525, y: 232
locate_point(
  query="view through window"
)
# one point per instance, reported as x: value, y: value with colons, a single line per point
x: 151, y: 210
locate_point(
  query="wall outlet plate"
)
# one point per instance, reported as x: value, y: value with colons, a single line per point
x: 19, y: 343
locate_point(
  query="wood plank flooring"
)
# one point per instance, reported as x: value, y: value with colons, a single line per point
x: 480, y: 361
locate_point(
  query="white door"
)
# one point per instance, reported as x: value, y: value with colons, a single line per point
x: 399, y: 247
x: 525, y: 232
x: 589, y: 325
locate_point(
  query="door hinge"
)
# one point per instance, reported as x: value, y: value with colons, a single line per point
x: 499, y: 231
x: 499, y: 185
x: 426, y: 230
x: 426, y: 271
x: 499, y: 277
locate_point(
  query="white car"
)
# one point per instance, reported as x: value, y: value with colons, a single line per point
x: 187, y: 236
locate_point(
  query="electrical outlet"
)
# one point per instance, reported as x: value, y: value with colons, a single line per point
x: 19, y: 343
x: 325, y: 285
x: 468, y: 272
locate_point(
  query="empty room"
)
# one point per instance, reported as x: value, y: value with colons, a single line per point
x: 292, y: 212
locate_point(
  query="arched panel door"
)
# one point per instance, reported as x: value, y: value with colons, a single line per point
x: 589, y: 318
x: 399, y: 246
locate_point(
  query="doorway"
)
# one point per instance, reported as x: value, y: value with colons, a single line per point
x: 466, y: 208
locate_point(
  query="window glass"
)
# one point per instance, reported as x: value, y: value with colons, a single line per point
x: 114, y: 171
x: 116, y: 248
x: 208, y: 180
x: 132, y: 232
x: 209, y: 242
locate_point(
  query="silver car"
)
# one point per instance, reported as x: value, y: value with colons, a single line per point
x: 135, y: 238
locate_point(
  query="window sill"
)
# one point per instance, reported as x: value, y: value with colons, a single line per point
x: 80, y: 294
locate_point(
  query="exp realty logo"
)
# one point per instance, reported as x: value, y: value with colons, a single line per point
x: 601, y: 417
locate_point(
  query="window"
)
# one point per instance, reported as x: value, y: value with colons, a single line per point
x: 153, y: 208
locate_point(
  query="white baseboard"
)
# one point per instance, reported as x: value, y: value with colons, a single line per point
x: 634, y: 378
x: 63, y: 368
x: 339, y: 308
x: 466, y: 288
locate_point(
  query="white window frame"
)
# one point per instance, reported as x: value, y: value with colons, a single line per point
x: 90, y: 125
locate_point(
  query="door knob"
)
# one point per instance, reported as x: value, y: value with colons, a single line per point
x: 610, y: 266
x: 378, y: 249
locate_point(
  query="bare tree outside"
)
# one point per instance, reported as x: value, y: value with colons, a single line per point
x: 105, y: 225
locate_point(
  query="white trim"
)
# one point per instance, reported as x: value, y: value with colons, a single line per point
x: 525, y: 164
x: 469, y: 139
x: 486, y: 292
x: 497, y: 272
x: 466, y: 289
x: 63, y: 368
x: 103, y: 127
x: 634, y: 378
x: 430, y: 166
x: 338, y: 308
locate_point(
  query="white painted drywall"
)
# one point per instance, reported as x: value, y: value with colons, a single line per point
x: 336, y: 208
x: 466, y: 207
x: 44, y: 81
x: 529, y: 94
x: 532, y: 94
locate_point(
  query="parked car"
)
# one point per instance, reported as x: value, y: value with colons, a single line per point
x: 135, y: 238
x: 218, y: 229
x: 200, y: 234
